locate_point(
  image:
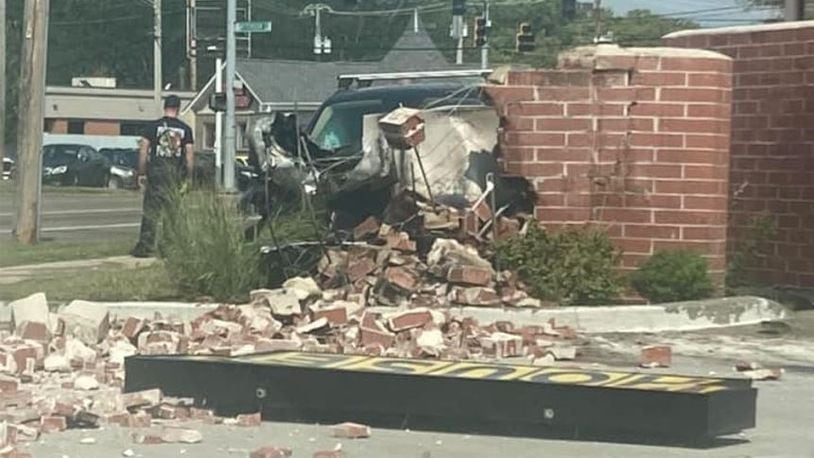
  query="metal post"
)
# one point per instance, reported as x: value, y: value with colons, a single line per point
x: 219, y: 125
x: 32, y: 106
x: 229, y: 129
x: 459, y: 54
x: 484, y: 50
x: 794, y: 10
x: 157, y: 71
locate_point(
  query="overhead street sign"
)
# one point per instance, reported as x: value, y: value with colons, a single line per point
x: 253, y: 27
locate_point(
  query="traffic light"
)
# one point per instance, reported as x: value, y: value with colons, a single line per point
x: 525, y: 39
x: 458, y: 7
x: 480, y: 31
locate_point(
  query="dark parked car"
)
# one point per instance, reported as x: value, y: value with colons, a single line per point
x: 74, y: 165
x: 123, y: 166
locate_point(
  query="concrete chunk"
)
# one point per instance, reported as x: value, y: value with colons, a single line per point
x: 87, y: 321
x: 283, y: 303
x: 33, y: 308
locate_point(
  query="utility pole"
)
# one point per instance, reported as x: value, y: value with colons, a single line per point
x: 794, y: 10
x: 193, y: 52
x: 597, y: 20
x: 157, y: 71
x: 229, y: 129
x: 458, y: 31
x: 32, y: 106
x: 2, y: 81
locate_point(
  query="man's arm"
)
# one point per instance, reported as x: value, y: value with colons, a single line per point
x: 144, y: 148
x: 189, y: 151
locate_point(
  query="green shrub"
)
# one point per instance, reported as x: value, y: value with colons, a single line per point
x: 750, y: 247
x: 671, y: 276
x: 201, y: 240
x: 574, y: 266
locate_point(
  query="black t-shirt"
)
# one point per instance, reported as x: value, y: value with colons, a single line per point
x: 168, y: 139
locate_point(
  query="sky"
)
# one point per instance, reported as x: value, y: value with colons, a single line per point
x: 707, y: 19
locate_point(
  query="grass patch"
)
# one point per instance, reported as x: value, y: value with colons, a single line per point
x: 202, y: 242
x: 15, y: 254
x: 141, y: 284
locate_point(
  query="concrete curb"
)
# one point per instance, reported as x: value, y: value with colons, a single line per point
x: 680, y: 316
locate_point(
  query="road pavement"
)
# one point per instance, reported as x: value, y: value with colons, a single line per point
x: 81, y: 215
x: 785, y: 416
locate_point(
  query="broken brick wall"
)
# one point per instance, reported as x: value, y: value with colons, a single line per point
x: 636, y: 140
x: 772, y: 140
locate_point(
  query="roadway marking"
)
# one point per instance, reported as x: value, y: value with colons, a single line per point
x: 84, y: 228
x: 83, y: 212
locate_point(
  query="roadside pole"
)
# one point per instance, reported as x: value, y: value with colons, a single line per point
x: 157, y: 71
x: 2, y: 81
x: 32, y: 105
x: 219, y: 125
x: 229, y: 129
x: 484, y: 50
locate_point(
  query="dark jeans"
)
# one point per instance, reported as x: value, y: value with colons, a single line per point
x: 160, y: 187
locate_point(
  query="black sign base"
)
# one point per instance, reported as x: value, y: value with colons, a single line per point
x: 469, y: 397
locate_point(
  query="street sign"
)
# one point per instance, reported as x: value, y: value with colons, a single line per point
x: 253, y: 27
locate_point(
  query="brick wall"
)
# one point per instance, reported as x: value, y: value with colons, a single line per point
x: 636, y: 140
x: 772, y: 140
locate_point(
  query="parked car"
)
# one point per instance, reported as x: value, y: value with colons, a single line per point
x: 123, y: 167
x: 8, y: 168
x: 74, y: 165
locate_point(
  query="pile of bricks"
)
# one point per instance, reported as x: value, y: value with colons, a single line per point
x: 66, y: 370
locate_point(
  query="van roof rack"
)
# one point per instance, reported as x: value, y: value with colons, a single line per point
x: 367, y: 79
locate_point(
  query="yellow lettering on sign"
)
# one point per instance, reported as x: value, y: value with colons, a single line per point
x: 323, y: 360
x: 484, y: 371
x: 574, y: 377
x: 396, y: 366
x: 673, y: 383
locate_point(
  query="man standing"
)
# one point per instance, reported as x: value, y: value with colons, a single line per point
x: 166, y: 160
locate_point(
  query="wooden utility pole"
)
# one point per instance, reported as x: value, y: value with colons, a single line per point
x: 3, y: 55
x: 597, y: 20
x: 30, y: 125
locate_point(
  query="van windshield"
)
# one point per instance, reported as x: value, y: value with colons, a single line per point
x: 340, y: 125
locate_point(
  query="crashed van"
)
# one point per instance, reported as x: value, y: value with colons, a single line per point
x: 343, y: 155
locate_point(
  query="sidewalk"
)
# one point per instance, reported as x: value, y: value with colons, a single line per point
x: 15, y: 274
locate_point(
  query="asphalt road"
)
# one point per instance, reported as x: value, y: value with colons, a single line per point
x: 785, y: 417
x: 81, y: 215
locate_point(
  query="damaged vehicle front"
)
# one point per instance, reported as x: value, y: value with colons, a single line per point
x: 343, y: 155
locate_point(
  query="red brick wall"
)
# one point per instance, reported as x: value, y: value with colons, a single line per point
x: 772, y: 140
x: 102, y: 128
x: 636, y: 140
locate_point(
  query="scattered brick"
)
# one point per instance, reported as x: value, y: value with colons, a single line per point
x: 52, y: 424
x: 350, y: 431
x: 764, y: 374
x: 470, y: 275
x: 271, y: 452
x: 409, y: 319
x: 249, y: 419
x: 656, y: 356
x: 366, y: 228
